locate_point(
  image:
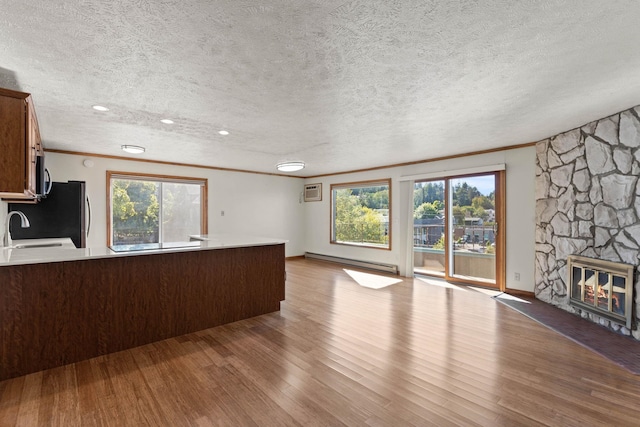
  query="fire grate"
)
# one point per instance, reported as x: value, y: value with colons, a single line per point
x: 601, y: 287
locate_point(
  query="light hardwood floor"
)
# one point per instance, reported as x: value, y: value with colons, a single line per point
x: 344, y: 350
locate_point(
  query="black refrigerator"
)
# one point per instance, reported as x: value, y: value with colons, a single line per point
x: 62, y: 213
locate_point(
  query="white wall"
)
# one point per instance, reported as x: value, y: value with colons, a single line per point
x: 261, y: 205
x: 520, y: 171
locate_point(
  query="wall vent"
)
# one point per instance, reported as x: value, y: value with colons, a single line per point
x: 312, y: 192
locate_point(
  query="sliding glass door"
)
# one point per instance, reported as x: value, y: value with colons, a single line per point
x: 473, y: 243
x: 429, y: 221
x: 455, y: 228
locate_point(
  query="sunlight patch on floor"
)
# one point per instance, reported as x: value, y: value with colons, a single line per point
x: 440, y: 283
x: 372, y: 281
x: 486, y: 291
x: 511, y: 298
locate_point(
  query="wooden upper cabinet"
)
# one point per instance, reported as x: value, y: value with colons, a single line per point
x: 20, y: 145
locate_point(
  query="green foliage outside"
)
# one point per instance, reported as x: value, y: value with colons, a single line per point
x: 483, y: 202
x: 463, y: 194
x: 467, y: 201
x: 439, y: 244
x: 429, y: 192
x: 180, y: 211
x: 135, y: 211
x: 459, y: 214
x: 357, y: 215
x: 428, y: 210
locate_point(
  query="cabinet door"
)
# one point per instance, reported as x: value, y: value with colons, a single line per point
x: 20, y: 145
x: 33, y: 147
x: 12, y: 137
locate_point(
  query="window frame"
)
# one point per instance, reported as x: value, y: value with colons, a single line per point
x: 360, y: 184
x: 203, y: 182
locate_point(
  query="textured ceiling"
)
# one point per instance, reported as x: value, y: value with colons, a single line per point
x: 341, y: 85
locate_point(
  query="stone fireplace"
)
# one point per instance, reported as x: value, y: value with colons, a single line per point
x: 588, y: 204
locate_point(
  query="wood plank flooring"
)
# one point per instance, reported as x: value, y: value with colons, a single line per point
x: 344, y: 350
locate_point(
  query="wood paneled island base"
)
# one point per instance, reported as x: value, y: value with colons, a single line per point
x: 53, y: 314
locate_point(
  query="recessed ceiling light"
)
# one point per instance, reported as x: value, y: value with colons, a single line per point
x: 133, y: 149
x: 290, y: 166
x: 100, y: 108
x: 223, y: 132
x: 167, y: 121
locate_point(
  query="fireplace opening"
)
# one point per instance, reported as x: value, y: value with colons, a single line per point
x: 601, y: 287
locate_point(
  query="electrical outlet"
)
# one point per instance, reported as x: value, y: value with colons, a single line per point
x: 517, y: 276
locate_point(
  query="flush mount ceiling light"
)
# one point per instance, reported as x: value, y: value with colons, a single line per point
x: 133, y: 149
x: 290, y: 166
x: 100, y: 108
x: 223, y: 132
x: 167, y: 121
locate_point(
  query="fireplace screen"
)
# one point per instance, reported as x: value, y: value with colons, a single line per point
x: 602, y: 287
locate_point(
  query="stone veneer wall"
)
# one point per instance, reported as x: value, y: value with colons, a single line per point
x: 588, y: 203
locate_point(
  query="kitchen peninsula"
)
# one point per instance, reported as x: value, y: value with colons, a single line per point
x: 59, y: 306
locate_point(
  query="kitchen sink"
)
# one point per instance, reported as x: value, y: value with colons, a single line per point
x: 37, y: 245
x: 62, y: 243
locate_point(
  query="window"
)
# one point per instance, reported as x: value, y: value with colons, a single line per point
x: 155, y: 208
x: 360, y: 213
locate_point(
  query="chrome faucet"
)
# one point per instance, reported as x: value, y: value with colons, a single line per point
x: 24, y: 223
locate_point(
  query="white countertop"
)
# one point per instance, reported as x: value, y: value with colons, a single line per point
x: 39, y: 255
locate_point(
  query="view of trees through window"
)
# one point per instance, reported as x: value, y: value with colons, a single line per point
x: 361, y: 214
x: 145, y: 211
x: 135, y: 209
x: 471, y: 209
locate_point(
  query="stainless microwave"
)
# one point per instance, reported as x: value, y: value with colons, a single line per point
x: 43, y: 178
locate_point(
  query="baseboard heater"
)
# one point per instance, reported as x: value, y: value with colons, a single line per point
x: 389, y: 268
